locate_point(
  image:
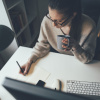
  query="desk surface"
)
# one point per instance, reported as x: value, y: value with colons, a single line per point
x: 60, y: 66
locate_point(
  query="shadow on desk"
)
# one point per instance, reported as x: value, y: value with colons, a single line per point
x: 94, y: 62
x: 97, y: 56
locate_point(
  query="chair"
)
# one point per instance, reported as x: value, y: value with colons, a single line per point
x: 8, y: 44
x: 97, y: 50
x: 91, y: 8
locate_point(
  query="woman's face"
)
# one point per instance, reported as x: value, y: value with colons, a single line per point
x: 58, y: 19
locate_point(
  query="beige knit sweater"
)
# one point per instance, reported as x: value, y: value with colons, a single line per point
x: 48, y: 37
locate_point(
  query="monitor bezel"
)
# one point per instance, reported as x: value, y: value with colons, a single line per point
x: 20, y: 89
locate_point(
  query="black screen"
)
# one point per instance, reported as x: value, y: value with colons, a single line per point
x: 25, y: 91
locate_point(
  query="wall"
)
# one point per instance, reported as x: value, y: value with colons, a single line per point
x: 3, y: 16
x: 4, y: 21
x: 42, y: 9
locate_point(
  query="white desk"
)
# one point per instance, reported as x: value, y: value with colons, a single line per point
x: 63, y: 67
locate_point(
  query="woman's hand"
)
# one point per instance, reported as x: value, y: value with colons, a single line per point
x: 72, y: 43
x: 25, y: 68
x: 65, y: 41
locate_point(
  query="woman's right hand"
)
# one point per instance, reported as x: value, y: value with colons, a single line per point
x: 25, y: 68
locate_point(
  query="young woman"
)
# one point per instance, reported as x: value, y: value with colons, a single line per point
x: 65, y: 18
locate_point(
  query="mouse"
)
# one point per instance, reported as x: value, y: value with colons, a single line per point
x: 56, y: 85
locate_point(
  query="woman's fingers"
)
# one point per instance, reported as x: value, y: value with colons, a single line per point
x: 26, y: 69
x: 65, y: 41
x: 63, y: 46
x: 21, y: 71
x: 66, y: 48
x: 68, y: 44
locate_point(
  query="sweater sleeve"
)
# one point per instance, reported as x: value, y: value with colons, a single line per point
x: 85, y: 53
x: 42, y: 47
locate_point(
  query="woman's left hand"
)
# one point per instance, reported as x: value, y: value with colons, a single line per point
x: 72, y: 43
x: 65, y: 42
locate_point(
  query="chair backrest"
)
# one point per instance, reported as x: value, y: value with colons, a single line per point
x: 97, y: 50
x: 91, y: 8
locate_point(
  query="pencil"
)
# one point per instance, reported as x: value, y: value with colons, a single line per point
x: 20, y: 67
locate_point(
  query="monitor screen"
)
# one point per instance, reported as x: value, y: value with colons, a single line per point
x: 26, y: 91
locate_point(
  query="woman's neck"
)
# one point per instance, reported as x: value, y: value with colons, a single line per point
x: 66, y: 29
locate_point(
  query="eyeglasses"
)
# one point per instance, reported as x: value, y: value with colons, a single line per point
x: 55, y: 21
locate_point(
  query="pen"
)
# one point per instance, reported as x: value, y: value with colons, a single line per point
x: 20, y: 67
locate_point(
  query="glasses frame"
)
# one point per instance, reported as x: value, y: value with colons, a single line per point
x: 58, y: 23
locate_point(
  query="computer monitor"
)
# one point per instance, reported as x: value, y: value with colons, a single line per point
x: 26, y: 91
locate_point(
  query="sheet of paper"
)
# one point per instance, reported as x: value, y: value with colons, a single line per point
x: 50, y: 80
x: 39, y: 74
x: 34, y: 76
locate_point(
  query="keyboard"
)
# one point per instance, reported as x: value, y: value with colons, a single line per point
x: 83, y: 87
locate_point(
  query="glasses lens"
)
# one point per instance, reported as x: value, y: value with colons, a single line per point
x: 66, y: 20
x: 58, y: 23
